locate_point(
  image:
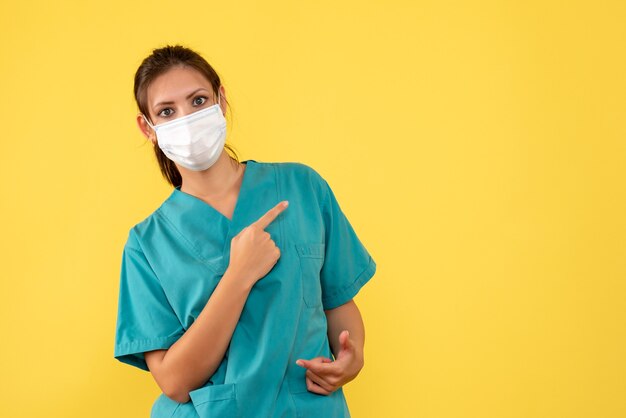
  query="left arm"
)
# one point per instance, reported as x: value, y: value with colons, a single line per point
x: 346, y: 335
x: 346, y: 317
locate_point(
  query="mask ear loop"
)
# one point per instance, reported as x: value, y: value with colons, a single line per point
x: 149, y: 124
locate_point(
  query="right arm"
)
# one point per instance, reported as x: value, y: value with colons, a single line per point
x: 191, y: 360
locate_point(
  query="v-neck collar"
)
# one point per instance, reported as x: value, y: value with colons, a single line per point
x: 178, y: 194
x: 206, y: 231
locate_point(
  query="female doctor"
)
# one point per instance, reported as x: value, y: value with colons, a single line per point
x: 236, y: 292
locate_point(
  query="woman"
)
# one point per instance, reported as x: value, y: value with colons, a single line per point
x: 232, y: 300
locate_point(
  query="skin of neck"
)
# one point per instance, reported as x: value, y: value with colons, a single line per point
x: 214, y: 182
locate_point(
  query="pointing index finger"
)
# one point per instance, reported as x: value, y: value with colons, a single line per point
x: 271, y: 214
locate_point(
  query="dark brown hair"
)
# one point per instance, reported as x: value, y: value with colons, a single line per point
x: 159, y: 62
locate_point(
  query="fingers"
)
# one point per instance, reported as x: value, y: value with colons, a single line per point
x: 323, y: 368
x: 322, y: 383
x: 307, y: 363
x: 316, y: 384
x: 271, y: 214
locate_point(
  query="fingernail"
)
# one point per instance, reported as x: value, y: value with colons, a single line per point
x: 286, y: 203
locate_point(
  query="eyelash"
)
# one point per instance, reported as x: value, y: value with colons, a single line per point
x: 168, y: 108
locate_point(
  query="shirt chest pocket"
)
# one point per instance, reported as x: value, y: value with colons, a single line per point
x: 311, y: 258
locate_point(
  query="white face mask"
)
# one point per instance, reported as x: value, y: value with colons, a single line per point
x: 194, y: 141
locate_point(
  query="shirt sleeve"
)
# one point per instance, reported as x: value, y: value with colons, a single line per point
x: 347, y: 263
x: 145, y: 318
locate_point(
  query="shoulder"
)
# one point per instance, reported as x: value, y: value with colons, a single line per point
x: 299, y: 172
x: 300, y: 180
x: 145, y: 227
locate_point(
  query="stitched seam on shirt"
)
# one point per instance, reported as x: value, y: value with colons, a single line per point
x: 188, y: 243
x: 278, y: 191
x: 283, y: 241
x: 322, y: 206
x: 143, y: 255
x: 175, y: 409
x: 148, y: 340
x: 351, y: 286
x: 138, y: 347
x: 167, y: 297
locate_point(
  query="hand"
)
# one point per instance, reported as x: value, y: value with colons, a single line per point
x: 324, y: 376
x: 253, y: 253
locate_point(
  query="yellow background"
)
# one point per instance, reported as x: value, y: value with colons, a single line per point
x: 477, y: 148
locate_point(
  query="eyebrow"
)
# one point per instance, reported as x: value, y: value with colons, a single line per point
x: 189, y: 96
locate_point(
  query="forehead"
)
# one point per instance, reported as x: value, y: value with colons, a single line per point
x: 175, y: 84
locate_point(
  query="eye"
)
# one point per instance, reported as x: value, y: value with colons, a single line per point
x: 197, y: 102
x: 167, y: 110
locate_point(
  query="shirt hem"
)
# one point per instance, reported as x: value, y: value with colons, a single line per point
x: 350, y: 291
